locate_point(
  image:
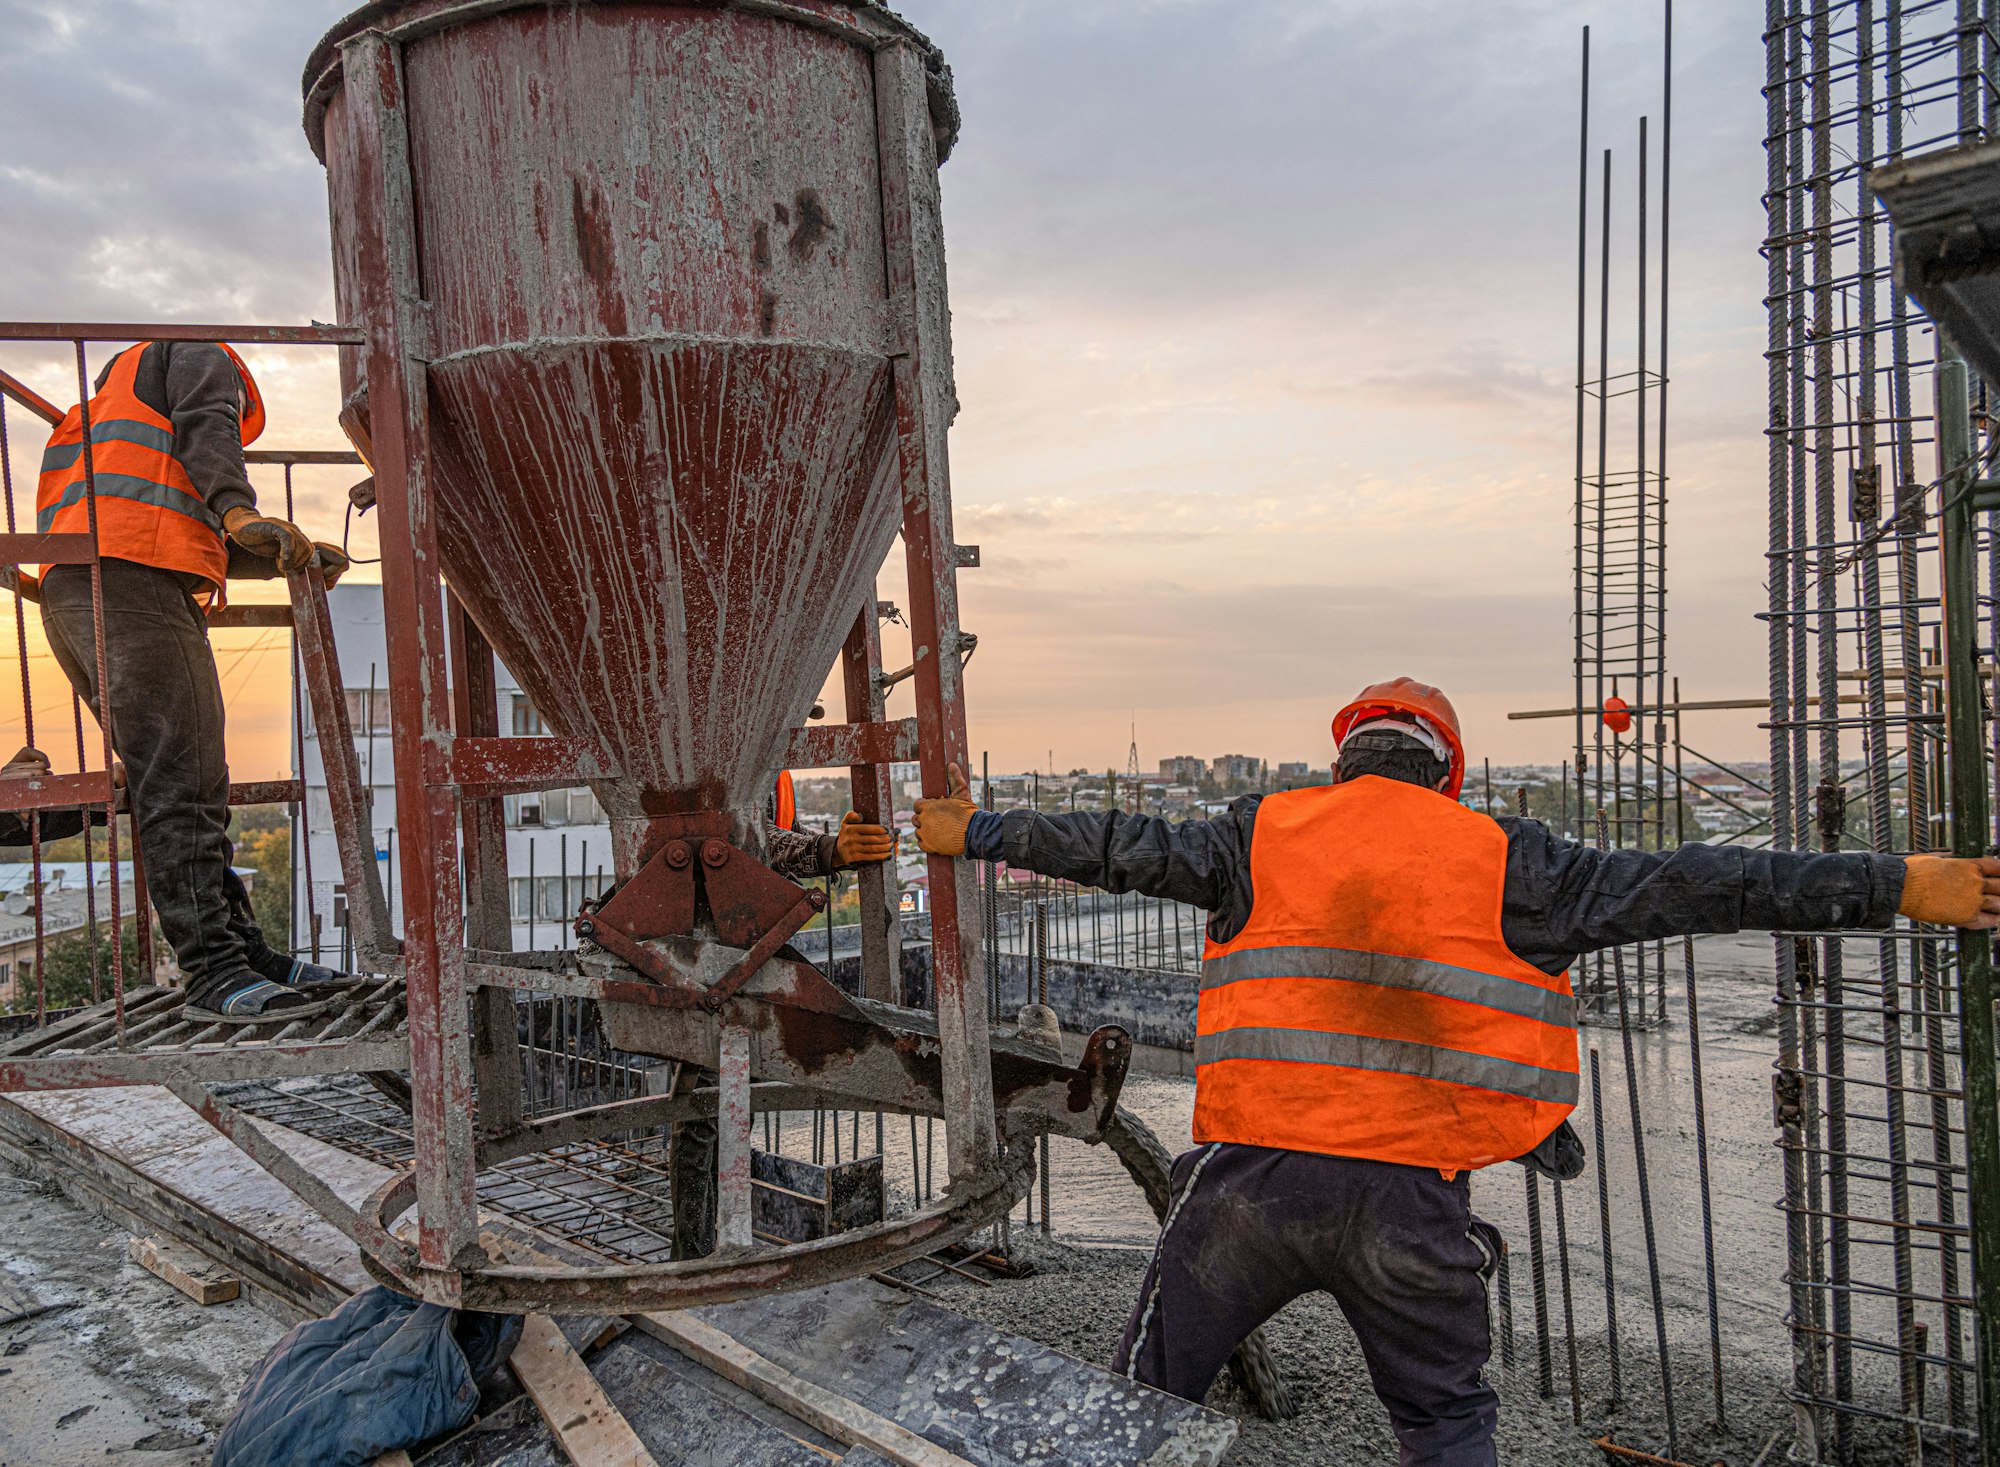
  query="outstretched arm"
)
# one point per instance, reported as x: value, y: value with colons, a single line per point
x: 1564, y: 899
x: 1200, y: 862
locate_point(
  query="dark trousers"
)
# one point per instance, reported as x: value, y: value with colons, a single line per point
x: 166, y: 725
x: 1250, y: 1229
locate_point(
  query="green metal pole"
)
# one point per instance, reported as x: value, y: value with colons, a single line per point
x: 1971, y: 836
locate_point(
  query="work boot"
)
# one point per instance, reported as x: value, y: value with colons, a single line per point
x: 246, y: 998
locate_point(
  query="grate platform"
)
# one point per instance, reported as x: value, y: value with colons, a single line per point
x: 157, y: 1043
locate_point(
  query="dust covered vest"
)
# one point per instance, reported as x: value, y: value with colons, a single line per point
x: 147, y: 510
x: 1370, y: 1007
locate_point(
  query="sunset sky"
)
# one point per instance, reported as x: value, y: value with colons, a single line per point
x: 1264, y: 320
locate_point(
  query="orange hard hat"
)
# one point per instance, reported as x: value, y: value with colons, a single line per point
x: 1405, y: 698
x: 253, y: 400
x: 1617, y: 714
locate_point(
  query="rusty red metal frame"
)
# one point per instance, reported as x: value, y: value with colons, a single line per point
x: 451, y: 768
x: 196, y: 1063
x: 241, y: 335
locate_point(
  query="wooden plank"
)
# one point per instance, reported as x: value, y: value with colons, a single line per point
x: 199, y: 1278
x: 592, y: 1431
x: 843, y: 1420
x: 397, y: 1458
x: 142, y: 1156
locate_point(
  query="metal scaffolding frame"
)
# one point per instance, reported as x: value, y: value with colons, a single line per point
x: 1870, y: 422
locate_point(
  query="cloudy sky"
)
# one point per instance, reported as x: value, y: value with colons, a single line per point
x: 1264, y: 320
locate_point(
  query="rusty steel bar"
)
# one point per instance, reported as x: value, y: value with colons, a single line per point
x: 874, y: 798
x: 253, y: 1141
x: 28, y: 733
x: 104, y: 726
x: 367, y: 911
x: 290, y: 456
x: 915, y: 252
x: 65, y: 548
x: 200, y: 1066
x: 82, y: 331
x: 89, y: 862
x: 27, y: 397
x: 596, y: 1290
x: 486, y: 766
x: 440, y: 1048
x: 489, y: 917
x: 302, y: 823
x: 252, y: 617
x: 821, y: 746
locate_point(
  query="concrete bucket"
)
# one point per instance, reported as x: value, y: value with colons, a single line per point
x: 650, y: 239
x: 656, y: 366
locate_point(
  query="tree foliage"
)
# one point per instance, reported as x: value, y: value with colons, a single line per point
x: 69, y: 974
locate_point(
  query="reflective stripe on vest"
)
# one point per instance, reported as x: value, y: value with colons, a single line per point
x: 1370, y: 1007
x: 147, y: 509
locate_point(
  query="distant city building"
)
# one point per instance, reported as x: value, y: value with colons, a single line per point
x: 1294, y: 771
x: 66, y: 909
x: 560, y: 836
x: 1183, y: 769
x: 1238, y: 769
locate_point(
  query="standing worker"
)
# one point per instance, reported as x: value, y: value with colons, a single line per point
x: 1385, y: 1008
x: 176, y: 516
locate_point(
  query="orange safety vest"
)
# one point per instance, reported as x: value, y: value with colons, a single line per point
x: 785, y: 803
x: 1370, y: 1007
x: 147, y: 509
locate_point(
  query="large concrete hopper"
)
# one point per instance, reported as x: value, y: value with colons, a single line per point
x: 650, y: 242
x: 656, y: 367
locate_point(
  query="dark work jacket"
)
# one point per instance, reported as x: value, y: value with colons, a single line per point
x: 194, y: 385
x: 1561, y: 899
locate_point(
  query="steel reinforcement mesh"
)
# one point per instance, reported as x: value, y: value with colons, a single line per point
x: 1867, y: 1094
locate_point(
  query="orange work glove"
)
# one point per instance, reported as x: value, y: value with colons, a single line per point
x: 941, y: 823
x: 1952, y: 891
x: 861, y: 844
x: 278, y: 540
x: 333, y: 562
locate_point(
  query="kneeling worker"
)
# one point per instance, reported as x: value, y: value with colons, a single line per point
x: 1385, y: 1007
x: 176, y: 516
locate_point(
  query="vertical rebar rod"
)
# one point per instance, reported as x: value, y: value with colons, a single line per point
x: 1645, y: 1184
x: 1958, y: 532
x: 1782, y: 259
x: 1660, y: 460
x: 1604, y: 1228
x: 1569, y: 1307
x: 1538, y: 1282
x: 104, y: 728
x: 1707, y: 1197
x: 1042, y: 997
x: 1596, y: 771
x: 28, y: 737
x: 1582, y: 388
x: 1826, y: 629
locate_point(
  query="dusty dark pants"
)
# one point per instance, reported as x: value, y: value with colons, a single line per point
x: 166, y: 725
x: 1250, y: 1229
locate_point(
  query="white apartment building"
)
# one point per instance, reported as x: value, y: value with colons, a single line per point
x: 558, y: 842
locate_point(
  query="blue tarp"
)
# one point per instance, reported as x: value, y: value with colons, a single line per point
x: 381, y: 1372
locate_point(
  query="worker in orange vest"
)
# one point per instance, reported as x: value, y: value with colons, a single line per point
x: 1385, y: 1008
x: 176, y: 518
